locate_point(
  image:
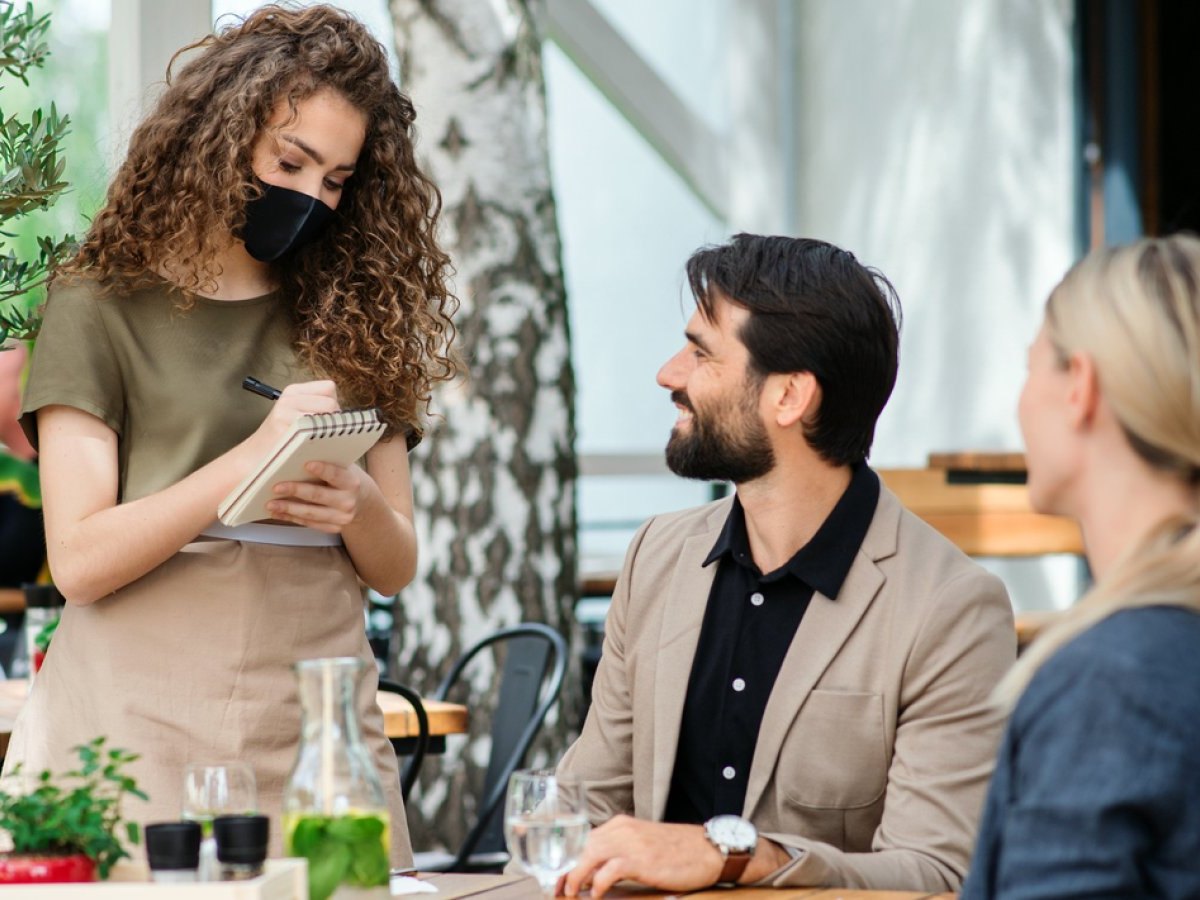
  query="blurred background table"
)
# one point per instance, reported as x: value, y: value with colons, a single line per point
x: 399, y: 720
x: 980, y: 502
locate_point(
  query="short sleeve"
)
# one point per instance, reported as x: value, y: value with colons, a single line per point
x: 73, y: 361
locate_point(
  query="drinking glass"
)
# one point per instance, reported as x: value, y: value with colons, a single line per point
x: 218, y: 790
x: 211, y: 790
x: 546, y: 823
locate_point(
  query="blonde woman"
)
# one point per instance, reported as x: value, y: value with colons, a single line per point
x: 1096, y: 791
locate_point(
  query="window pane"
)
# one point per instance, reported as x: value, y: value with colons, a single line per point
x: 627, y: 224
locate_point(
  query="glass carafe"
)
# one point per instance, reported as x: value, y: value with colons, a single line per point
x: 334, y: 811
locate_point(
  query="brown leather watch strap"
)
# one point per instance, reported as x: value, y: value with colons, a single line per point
x: 735, y: 865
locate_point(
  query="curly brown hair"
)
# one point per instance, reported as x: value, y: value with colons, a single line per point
x: 371, y: 303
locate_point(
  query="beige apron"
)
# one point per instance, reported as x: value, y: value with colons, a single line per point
x: 193, y: 664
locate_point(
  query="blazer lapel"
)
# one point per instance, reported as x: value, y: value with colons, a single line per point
x: 683, y: 615
x: 824, y: 629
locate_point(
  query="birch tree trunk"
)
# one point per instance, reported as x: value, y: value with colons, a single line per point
x: 494, y: 479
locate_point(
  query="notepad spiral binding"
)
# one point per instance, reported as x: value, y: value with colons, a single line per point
x: 347, y: 421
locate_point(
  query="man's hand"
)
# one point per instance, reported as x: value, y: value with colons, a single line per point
x: 658, y: 854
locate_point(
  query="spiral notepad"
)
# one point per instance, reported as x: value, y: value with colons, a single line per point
x: 341, y: 437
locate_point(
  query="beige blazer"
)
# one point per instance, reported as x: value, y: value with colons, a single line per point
x: 878, y: 737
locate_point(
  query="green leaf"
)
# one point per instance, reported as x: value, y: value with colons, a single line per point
x: 42, y: 639
x: 356, y: 829
x: 307, y: 835
x: 326, y: 869
x: 370, y: 867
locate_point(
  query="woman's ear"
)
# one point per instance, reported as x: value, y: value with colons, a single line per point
x: 798, y: 399
x: 1083, y: 390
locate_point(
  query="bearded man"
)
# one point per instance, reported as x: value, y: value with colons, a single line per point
x: 794, y: 686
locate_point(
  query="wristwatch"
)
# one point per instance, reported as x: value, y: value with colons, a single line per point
x: 736, y: 839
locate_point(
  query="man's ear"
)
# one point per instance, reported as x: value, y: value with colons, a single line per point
x: 1083, y: 390
x: 798, y: 398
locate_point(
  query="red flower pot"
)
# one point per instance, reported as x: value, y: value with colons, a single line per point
x: 28, y: 869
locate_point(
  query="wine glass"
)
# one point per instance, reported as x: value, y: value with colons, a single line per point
x: 546, y: 823
x: 217, y: 790
x: 211, y: 790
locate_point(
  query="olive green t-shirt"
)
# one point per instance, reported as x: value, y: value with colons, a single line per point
x: 167, y: 381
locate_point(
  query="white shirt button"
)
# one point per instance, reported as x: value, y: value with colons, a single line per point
x: 728, y: 772
x: 757, y: 599
x: 739, y: 684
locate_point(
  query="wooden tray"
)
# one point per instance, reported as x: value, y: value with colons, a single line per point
x: 284, y: 879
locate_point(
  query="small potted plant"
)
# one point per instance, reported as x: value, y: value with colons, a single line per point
x: 43, y: 608
x: 41, y: 643
x: 65, y: 828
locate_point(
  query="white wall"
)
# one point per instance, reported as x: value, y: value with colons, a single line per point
x: 935, y: 141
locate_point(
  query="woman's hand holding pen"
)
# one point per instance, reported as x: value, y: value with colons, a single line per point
x: 333, y: 502
x: 295, y: 400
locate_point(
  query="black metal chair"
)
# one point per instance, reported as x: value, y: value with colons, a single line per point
x: 534, y: 666
x: 412, y: 766
x: 380, y: 621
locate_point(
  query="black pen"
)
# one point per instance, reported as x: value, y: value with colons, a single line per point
x: 257, y: 387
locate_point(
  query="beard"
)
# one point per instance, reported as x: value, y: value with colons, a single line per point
x: 728, y: 443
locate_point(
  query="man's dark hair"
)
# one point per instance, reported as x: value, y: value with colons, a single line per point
x: 813, y: 308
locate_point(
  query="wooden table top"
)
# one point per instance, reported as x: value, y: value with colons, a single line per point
x: 399, y: 719
x: 516, y: 887
x: 982, y: 519
x: 978, y: 461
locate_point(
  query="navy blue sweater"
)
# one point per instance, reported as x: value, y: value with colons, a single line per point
x: 1096, y: 791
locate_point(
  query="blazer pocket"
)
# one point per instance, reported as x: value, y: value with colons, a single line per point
x: 835, y: 755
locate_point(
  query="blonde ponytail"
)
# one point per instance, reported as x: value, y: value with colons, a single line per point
x: 1163, y: 570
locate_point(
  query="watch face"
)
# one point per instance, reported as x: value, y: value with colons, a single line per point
x: 733, y: 832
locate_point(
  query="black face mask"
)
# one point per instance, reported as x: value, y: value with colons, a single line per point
x: 282, y: 220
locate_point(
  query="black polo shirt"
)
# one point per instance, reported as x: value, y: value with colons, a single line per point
x: 748, y: 627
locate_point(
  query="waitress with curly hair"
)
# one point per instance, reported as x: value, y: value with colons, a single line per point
x: 269, y: 220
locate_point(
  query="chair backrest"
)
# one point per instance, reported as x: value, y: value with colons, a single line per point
x: 530, y: 682
x: 380, y: 622
x: 412, y: 766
